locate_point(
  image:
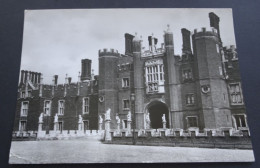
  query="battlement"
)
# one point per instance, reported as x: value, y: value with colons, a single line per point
x: 205, y: 32
x: 230, y: 48
x: 231, y: 53
x: 34, y: 77
x: 108, y: 52
x: 125, y: 67
x: 215, y: 138
x: 184, y: 58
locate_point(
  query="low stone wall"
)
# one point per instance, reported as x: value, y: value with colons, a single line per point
x: 55, y: 135
x: 67, y: 134
x: 24, y: 135
x: 222, y: 138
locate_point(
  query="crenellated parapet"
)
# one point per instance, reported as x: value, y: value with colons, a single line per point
x: 231, y: 63
x: 30, y: 76
x: 204, y: 33
x: 230, y: 53
x: 108, y: 52
x: 215, y: 138
x: 59, y: 90
x: 185, y: 58
x: 125, y: 67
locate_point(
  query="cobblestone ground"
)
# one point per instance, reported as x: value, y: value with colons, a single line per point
x: 91, y: 150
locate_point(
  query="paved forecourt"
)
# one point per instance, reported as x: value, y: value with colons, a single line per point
x: 91, y: 150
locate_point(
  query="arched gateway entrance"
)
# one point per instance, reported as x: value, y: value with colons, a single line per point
x: 156, y: 110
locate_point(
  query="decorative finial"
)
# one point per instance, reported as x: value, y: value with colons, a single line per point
x: 168, y: 28
x: 141, y: 36
x: 136, y: 37
x: 152, y: 34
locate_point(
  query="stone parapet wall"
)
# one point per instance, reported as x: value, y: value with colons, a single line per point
x: 55, y: 135
x: 221, y: 138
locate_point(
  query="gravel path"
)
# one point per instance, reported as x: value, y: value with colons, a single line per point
x: 91, y: 150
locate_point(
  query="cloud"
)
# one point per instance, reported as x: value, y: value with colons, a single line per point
x: 55, y: 41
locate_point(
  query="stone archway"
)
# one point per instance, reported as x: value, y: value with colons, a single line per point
x: 156, y: 110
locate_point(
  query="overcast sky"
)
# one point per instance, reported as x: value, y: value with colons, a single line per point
x: 55, y: 41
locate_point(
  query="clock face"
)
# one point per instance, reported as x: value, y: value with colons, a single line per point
x: 205, y: 89
x: 101, y: 99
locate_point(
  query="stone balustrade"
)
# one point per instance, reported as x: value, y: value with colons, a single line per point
x: 64, y: 134
x: 192, y: 137
x: 208, y: 138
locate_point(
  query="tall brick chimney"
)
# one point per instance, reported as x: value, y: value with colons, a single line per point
x: 85, y: 69
x: 55, y: 79
x: 25, y: 76
x: 22, y: 76
x: 32, y: 77
x: 128, y: 44
x: 69, y: 80
x: 186, y: 45
x: 39, y: 78
x: 214, y: 22
x: 35, y: 77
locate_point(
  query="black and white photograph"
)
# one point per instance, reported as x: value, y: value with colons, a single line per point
x: 130, y: 86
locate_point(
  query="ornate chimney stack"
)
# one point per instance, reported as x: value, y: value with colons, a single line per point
x: 128, y: 44
x: 69, y: 80
x: 214, y: 22
x: 186, y: 45
x: 85, y: 69
x: 55, y: 79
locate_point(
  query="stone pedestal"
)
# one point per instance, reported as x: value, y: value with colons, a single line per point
x: 79, y: 126
x: 118, y: 126
x: 55, y: 126
x: 40, y: 126
x: 148, y: 125
x: 164, y: 125
x: 129, y: 125
x: 107, y: 130
x: 100, y: 126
